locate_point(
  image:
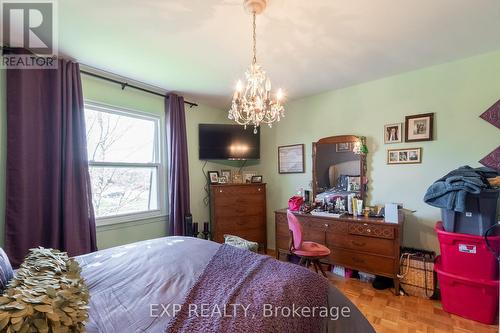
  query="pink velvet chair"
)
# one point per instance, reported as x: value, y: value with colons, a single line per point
x: 309, y: 252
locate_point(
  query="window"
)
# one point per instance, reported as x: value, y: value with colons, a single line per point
x: 125, y: 163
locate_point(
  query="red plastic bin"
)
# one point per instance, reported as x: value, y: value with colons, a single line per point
x: 467, y: 255
x: 469, y: 298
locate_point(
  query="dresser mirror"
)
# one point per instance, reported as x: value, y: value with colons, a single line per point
x: 339, y: 167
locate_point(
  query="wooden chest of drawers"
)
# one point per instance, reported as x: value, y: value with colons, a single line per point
x: 240, y: 210
x: 365, y: 244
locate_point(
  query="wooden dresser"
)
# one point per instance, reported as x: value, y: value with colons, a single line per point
x: 365, y: 244
x: 240, y: 210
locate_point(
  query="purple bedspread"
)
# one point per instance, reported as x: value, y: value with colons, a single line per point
x: 246, y: 292
x: 141, y: 287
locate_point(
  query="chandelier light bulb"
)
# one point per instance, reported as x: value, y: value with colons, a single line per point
x: 280, y: 94
x: 239, y: 86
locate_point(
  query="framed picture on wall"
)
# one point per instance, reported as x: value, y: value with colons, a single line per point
x: 393, y: 133
x: 404, y: 156
x: 291, y: 159
x: 344, y: 147
x: 419, y: 127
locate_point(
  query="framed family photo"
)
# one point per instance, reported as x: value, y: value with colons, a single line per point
x: 404, y: 156
x: 393, y: 133
x: 247, y: 176
x: 419, y: 127
x: 228, y: 174
x: 213, y: 177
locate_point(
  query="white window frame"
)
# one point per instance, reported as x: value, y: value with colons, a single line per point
x: 160, y: 164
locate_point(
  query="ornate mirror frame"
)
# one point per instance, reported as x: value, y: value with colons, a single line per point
x: 341, y: 139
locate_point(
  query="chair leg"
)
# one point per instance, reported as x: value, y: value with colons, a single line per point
x: 315, y: 264
x: 302, y: 261
x: 321, y: 268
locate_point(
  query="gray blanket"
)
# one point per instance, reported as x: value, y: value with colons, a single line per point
x: 141, y: 287
x: 450, y: 192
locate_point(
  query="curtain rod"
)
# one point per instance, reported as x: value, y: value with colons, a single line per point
x: 123, y: 84
x: 126, y: 84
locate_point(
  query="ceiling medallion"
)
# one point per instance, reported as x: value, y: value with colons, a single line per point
x: 252, y: 102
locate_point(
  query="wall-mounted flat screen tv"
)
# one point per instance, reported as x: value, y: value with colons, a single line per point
x: 228, y: 142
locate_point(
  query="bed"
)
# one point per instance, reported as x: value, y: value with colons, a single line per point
x: 153, y: 286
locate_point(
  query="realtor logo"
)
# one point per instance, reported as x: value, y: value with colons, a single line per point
x: 29, y: 28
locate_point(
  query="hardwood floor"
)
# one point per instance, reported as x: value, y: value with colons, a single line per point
x: 404, y: 314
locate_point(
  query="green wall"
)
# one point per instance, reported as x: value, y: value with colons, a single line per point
x: 456, y: 92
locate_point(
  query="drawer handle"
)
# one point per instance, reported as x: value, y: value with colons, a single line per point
x: 220, y: 191
x: 326, y: 225
x: 368, y: 230
x: 259, y: 189
x: 358, y: 244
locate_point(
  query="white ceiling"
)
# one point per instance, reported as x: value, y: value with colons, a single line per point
x: 201, y: 47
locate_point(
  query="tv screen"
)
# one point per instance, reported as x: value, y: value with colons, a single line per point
x: 228, y: 142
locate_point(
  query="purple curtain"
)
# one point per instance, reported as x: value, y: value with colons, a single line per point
x: 178, y: 180
x: 48, y: 191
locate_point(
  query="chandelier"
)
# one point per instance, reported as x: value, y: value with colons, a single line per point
x: 252, y: 102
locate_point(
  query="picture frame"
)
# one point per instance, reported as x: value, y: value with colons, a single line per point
x: 256, y: 179
x: 343, y: 147
x: 419, y: 127
x: 404, y: 156
x: 223, y: 180
x: 213, y: 177
x: 237, y: 178
x: 247, y: 176
x: 393, y: 133
x: 228, y: 174
x: 291, y: 159
x: 353, y: 183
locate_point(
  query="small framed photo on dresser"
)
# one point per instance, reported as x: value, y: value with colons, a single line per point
x: 256, y: 179
x: 213, y: 177
x: 247, y: 176
x: 228, y: 174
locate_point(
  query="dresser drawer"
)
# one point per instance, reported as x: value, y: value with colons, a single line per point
x: 240, y: 222
x: 252, y: 234
x: 372, y: 230
x: 282, y: 243
x: 236, y: 201
x: 221, y: 191
x: 364, y: 262
x: 234, y: 210
x: 371, y: 245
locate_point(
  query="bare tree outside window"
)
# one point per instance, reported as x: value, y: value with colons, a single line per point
x: 123, y: 162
